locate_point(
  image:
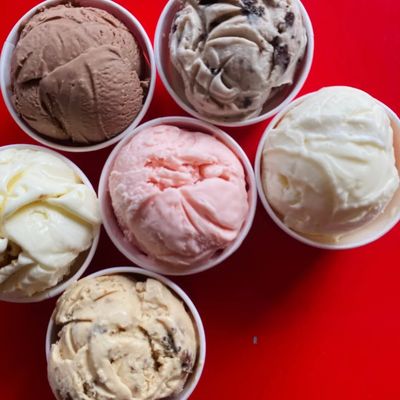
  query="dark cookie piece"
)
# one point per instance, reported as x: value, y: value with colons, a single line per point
x: 250, y: 8
x: 281, y: 56
x: 186, y: 362
x: 247, y: 102
x: 276, y: 41
x: 169, y: 345
x: 12, y: 252
x: 289, y: 21
x: 88, y: 389
x: 289, y: 18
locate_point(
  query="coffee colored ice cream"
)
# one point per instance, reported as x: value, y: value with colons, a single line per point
x: 121, y: 339
x: 76, y: 74
x: 328, y: 167
x: 232, y: 56
x: 179, y: 196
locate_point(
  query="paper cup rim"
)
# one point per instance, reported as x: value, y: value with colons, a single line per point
x: 63, y: 284
x: 296, y: 86
x: 203, y: 127
x: 273, y: 215
x: 180, y: 293
x: 148, y: 48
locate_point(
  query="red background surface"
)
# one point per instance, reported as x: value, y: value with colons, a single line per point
x: 327, y: 323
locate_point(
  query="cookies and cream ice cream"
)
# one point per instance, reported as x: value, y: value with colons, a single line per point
x: 328, y: 167
x: 179, y: 196
x: 47, y: 218
x: 76, y: 74
x: 121, y: 339
x: 232, y: 56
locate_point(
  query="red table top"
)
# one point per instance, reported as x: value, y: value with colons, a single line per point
x: 282, y: 320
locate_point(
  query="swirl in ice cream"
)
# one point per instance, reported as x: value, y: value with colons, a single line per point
x: 121, y: 339
x: 179, y: 196
x: 233, y: 55
x: 47, y: 218
x: 328, y: 166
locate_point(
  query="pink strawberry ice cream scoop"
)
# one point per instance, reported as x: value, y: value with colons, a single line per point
x: 179, y: 196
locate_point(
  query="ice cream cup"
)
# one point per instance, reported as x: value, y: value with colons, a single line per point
x: 81, y: 263
x: 175, y: 87
x: 140, y: 274
x: 132, y: 252
x: 135, y: 28
x: 358, y: 237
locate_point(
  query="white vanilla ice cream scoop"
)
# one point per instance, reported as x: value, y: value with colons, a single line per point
x: 328, y: 167
x: 47, y: 218
x: 233, y: 55
x: 121, y: 339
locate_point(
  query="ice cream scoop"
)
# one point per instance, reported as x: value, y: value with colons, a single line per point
x: 234, y: 56
x: 179, y: 196
x: 48, y: 217
x: 328, y: 166
x: 76, y: 74
x: 120, y: 338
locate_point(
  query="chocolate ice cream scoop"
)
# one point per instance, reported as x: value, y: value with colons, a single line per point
x: 233, y: 55
x: 76, y: 74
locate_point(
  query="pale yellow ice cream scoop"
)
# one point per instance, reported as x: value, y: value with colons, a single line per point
x: 328, y: 167
x: 121, y: 339
x: 48, y: 216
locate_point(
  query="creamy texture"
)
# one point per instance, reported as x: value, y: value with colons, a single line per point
x: 232, y: 55
x: 47, y: 218
x: 328, y: 167
x: 76, y: 74
x: 121, y: 339
x: 179, y: 196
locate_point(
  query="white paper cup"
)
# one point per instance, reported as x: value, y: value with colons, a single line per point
x: 358, y: 237
x: 132, y: 252
x: 175, y: 87
x: 51, y: 335
x: 149, y: 71
x: 81, y: 263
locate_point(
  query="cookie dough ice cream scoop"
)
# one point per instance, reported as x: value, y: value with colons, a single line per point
x: 76, y: 74
x: 121, y: 339
x: 328, y: 167
x: 234, y: 55
x: 179, y: 196
x: 48, y: 217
